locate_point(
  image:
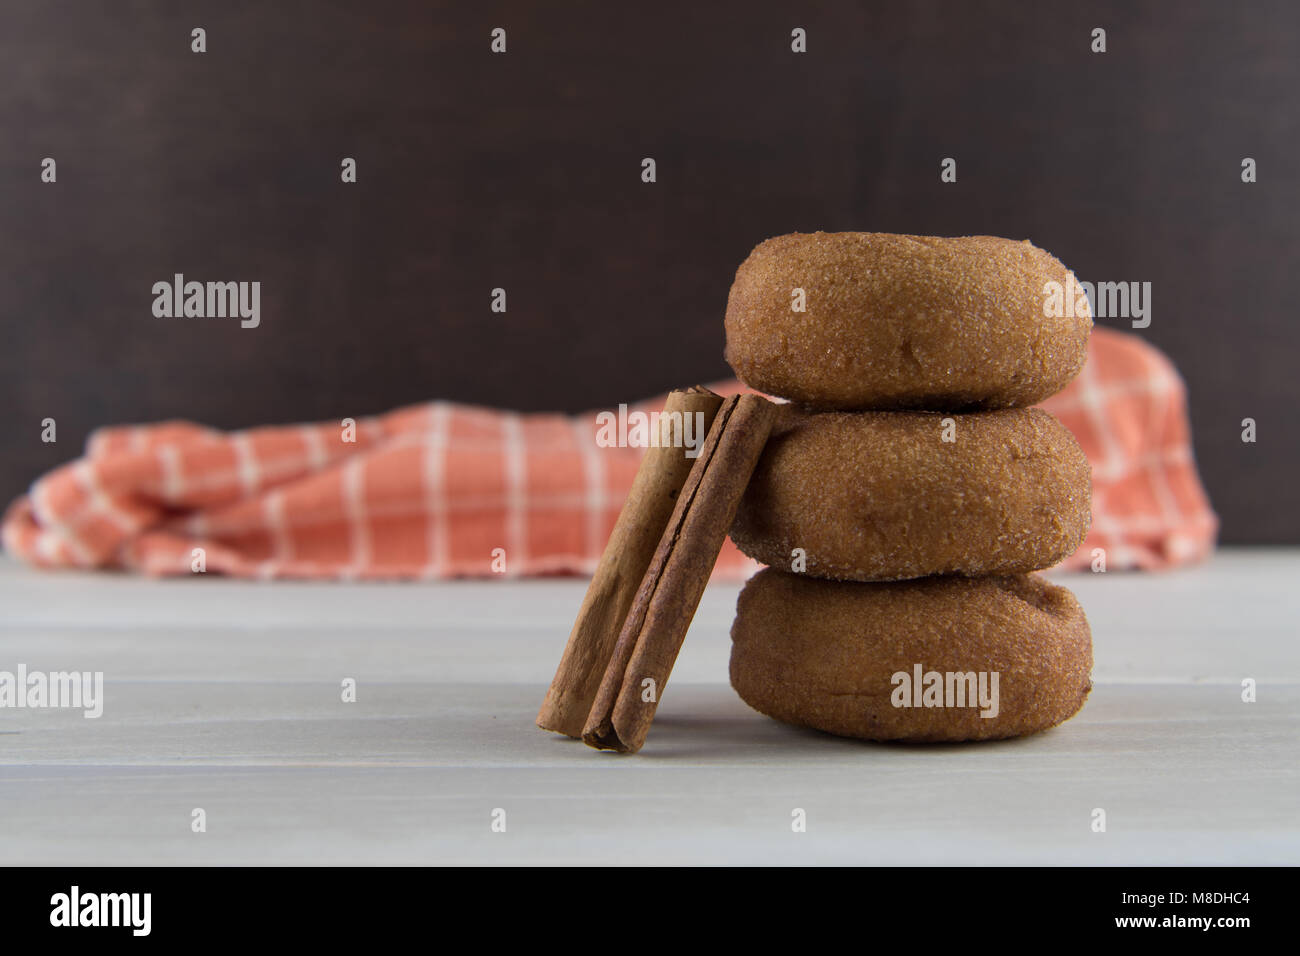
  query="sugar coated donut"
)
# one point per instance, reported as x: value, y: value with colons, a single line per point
x: 855, y: 320
x: 942, y: 659
x: 883, y: 496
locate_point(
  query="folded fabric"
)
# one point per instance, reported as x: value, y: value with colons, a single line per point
x: 445, y: 490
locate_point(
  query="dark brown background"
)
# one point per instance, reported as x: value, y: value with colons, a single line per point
x: 523, y: 171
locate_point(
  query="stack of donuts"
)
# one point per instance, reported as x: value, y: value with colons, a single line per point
x: 908, y: 491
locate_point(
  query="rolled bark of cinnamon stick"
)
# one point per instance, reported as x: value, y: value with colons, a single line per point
x: 631, y: 546
x: 672, y: 586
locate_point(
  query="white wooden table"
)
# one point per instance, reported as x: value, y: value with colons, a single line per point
x: 225, y: 695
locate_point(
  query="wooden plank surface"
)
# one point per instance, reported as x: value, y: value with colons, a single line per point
x: 225, y: 695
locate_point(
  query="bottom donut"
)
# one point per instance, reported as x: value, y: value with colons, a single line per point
x: 932, y: 660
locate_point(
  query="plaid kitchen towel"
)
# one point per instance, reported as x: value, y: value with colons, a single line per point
x: 445, y: 490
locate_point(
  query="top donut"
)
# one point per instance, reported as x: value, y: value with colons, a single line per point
x: 902, y: 322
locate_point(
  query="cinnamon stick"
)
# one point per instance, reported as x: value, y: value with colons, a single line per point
x: 655, y: 490
x: 670, y: 591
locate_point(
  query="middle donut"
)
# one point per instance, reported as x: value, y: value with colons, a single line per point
x: 885, y: 496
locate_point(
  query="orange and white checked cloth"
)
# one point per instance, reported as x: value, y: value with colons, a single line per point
x: 433, y: 490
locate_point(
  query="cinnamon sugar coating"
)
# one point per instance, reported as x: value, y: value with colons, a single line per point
x: 898, y: 322
x: 880, y: 496
x: 824, y: 654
